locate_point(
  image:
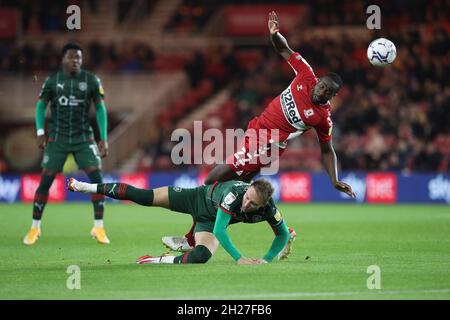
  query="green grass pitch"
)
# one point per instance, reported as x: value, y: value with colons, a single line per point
x: 410, y: 244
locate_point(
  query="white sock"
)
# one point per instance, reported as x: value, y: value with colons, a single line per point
x: 36, y: 223
x: 98, y: 223
x: 167, y: 259
x: 88, y: 187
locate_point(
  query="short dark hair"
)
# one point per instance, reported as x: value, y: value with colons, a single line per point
x: 70, y: 46
x: 335, y: 77
x: 263, y: 188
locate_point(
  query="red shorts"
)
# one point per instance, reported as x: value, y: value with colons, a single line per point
x: 259, y: 148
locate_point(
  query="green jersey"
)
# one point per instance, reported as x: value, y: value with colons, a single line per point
x: 70, y: 98
x: 228, y: 196
x: 203, y: 204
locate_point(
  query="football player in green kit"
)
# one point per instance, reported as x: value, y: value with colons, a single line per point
x: 213, y: 207
x: 70, y: 92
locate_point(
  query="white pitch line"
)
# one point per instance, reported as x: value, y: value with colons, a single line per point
x: 311, y: 294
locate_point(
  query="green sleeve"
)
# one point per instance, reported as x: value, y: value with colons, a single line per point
x: 280, y: 241
x: 102, y: 119
x: 47, y: 90
x: 220, y: 232
x: 98, y: 93
x: 40, y: 114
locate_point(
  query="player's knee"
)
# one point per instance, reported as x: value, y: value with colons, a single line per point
x: 200, y: 254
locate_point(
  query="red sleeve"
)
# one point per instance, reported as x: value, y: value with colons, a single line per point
x: 300, y: 65
x: 324, y: 130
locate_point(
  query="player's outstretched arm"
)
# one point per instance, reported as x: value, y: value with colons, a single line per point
x: 220, y: 232
x: 102, y: 122
x: 280, y: 241
x: 40, y: 122
x: 329, y: 161
x: 278, y: 41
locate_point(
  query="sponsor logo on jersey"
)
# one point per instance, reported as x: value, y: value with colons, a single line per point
x: 71, y: 101
x: 290, y: 110
x: 60, y: 85
x: 308, y: 112
x: 82, y: 86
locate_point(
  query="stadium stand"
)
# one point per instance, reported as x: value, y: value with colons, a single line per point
x: 388, y: 119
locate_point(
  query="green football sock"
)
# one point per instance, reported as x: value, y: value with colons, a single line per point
x: 97, y: 199
x: 125, y: 191
x: 41, y: 196
x: 200, y: 254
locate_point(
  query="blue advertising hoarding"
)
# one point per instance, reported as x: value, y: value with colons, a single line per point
x: 371, y: 187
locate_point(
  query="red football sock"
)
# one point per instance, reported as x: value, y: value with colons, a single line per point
x: 190, y: 236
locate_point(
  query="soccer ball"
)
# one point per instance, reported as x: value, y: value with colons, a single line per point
x: 381, y: 52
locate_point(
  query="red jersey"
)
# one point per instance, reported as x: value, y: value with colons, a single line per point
x: 293, y: 111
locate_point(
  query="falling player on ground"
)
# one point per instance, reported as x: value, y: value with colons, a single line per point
x: 302, y: 106
x: 70, y: 92
x: 213, y: 207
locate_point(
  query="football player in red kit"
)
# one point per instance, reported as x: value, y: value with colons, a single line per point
x: 302, y: 106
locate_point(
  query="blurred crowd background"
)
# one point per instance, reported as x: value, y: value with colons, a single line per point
x: 392, y: 119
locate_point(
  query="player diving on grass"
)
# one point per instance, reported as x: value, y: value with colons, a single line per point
x: 302, y: 106
x: 213, y: 207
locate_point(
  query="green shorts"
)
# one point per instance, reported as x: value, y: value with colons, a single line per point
x: 194, y: 202
x: 86, y: 154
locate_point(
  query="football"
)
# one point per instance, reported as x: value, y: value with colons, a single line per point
x: 381, y: 52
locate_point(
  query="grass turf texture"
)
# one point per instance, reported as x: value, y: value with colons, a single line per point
x: 411, y: 245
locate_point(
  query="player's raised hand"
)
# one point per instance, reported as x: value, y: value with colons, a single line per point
x: 42, y: 141
x: 346, y: 188
x: 273, y: 24
x: 103, y: 148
